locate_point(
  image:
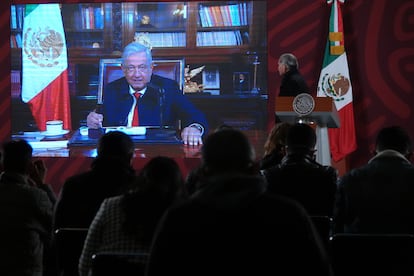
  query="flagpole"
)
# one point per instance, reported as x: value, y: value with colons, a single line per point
x: 334, y: 82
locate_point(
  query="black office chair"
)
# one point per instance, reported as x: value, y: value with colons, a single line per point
x: 115, y: 263
x: 69, y: 244
x: 372, y: 254
x: 110, y: 70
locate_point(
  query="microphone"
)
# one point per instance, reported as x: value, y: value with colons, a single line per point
x: 161, y: 100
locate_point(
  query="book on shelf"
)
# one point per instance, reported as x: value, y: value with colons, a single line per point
x: 16, y: 41
x: 235, y: 15
x: 165, y: 39
x: 225, y: 13
x: 13, y: 17
x: 221, y: 38
x: 15, y: 83
x: 231, y: 15
x: 91, y: 17
x: 16, y: 17
x: 217, y: 18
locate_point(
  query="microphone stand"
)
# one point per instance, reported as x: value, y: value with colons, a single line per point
x: 161, y: 93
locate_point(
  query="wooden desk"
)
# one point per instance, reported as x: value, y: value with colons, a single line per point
x: 62, y: 163
x: 244, y: 111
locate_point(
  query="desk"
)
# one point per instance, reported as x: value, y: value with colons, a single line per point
x: 62, y: 163
x: 244, y: 111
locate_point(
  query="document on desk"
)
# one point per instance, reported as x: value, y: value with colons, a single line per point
x: 128, y: 130
x: 49, y: 144
x: 40, y: 141
x: 139, y: 135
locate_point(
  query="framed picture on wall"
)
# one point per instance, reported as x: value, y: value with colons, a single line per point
x: 211, y: 77
x: 241, y: 82
x: 211, y: 80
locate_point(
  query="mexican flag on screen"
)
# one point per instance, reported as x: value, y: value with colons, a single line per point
x: 335, y: 82
x: 45, y: 65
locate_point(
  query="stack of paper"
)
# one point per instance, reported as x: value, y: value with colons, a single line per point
x: 39, y: 141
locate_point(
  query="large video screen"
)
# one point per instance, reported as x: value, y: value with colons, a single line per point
x: 56, y: 54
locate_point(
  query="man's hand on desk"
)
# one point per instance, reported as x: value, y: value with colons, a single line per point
x: 191, y: 136
x: 94, y: 120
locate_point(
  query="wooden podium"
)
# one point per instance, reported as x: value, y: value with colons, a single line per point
x: 324, y: 116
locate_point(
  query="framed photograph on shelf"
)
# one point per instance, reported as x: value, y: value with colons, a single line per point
x: 241, y: 82
x: 211, y: 80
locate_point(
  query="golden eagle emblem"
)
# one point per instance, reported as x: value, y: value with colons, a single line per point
x: 192, y: 86
x: 335, y: 86
x: 43, y: 47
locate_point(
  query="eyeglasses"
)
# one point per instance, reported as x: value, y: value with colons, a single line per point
x: 143, y: 68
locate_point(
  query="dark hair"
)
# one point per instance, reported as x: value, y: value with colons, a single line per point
x: 161, y: 175
x: 116, y: 144
x: 222, y: 127
x: 159, y: 184
x: 301, y: 136
x: 276, y: 140
x: 227, y: 150
x: 394, y: 138
x: 17, y: 155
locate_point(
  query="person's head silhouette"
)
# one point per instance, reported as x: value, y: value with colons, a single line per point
x: 228, y: 150
x: 394, y: 138
x: 116, y: 145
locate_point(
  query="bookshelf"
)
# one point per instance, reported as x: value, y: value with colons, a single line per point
x: 16, y: 25
x: 175, y: 29
x: 85, y: 26
x: 164, y: 24
x: 225, y: 36
x: 223, y: 24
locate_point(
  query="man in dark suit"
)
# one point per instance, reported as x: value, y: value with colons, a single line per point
x: 292, y: 82
x: 158, y: 100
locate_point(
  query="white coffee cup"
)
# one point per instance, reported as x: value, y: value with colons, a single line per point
x: 55, y: 126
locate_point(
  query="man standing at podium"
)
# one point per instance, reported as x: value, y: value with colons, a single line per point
x: 292, y: 82
x: 161, y: 103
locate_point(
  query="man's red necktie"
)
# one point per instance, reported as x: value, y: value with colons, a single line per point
x: 135, y: 119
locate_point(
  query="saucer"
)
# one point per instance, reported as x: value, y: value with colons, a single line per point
x: 54, y: 133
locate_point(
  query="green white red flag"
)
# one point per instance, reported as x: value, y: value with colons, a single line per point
x: 335, y: 82
x: 45, y: 65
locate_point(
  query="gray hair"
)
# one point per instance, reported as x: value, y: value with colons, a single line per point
x: 290, y: 60
x: 135, y: 47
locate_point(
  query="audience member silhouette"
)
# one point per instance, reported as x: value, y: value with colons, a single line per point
x: 378, y: 196
x: 126, y: 223
x: 26, y: 210
x: 300, y: 177
x: 231, y: 226
x: 110, y: 174
x: 274, y: 147
x: 191, y: 181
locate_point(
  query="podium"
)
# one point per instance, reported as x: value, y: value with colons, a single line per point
x: 324, y: 115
